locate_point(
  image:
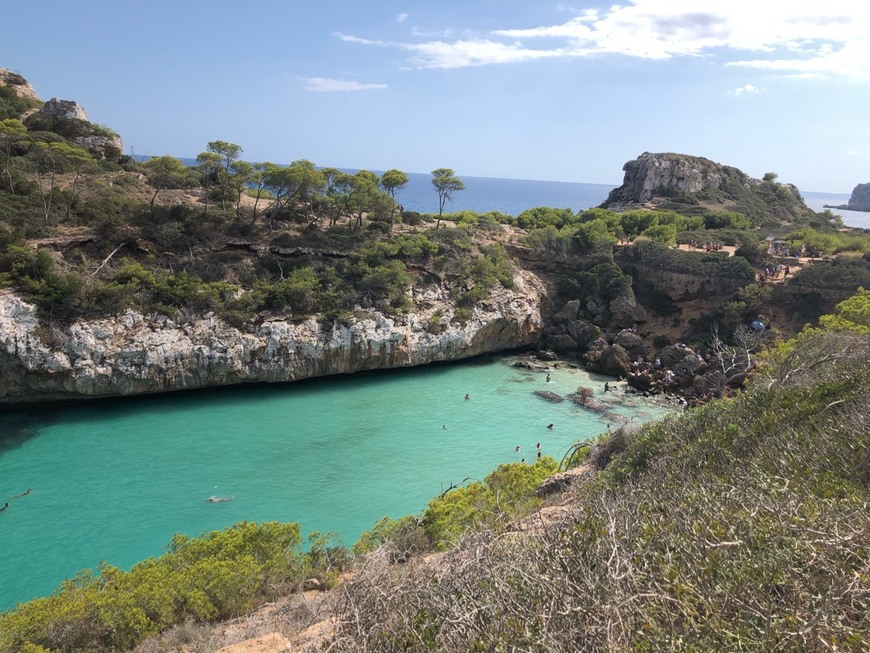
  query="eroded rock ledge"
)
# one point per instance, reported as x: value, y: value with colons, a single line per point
x: 138, y: 354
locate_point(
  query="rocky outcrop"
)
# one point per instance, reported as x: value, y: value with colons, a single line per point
x: 64, y: 109
x: 18, y: 84
x: 137, y: 354
x: 652, y: 175
x: 109, y: 147
x: 607, y: 359
x: 858, y: 201
x: 664, y: 179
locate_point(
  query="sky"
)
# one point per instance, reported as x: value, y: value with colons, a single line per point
x: 523, y: 89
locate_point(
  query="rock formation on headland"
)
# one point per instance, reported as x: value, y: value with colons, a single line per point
x: 859, y: 201
x: 20, y: 86
x: 668, y: 180
x: 64, y: 109
x: 93, y: 138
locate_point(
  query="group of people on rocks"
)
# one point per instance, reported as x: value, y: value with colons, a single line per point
x: 655, y: 377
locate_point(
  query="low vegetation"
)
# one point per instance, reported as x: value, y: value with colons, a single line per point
x: 741, y: 525
x: 218, y: 575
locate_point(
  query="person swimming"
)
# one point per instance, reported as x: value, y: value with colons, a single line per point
x: 550, y: 426
x: 4, y: 507
x: 444, y: 426
x: 467, y: 397
x: 22, y: 494
x: 548, y: 377
x: 214, y: 499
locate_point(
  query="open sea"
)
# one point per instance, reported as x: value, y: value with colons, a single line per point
x: 113, y: 480
x: 513, y: 196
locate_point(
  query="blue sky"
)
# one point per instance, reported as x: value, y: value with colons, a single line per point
x: 562, y: 91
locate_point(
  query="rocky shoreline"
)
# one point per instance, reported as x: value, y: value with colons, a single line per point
x: 133, y: 353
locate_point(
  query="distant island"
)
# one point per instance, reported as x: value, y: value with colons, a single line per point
x: 859, y: 201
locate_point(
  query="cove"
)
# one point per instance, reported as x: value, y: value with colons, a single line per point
x: 114, y: 480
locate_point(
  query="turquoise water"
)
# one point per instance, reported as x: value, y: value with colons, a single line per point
x: 115, y: 480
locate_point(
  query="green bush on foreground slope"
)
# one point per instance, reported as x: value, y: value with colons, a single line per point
x: 742, y: 525
x: 225, y: 574
x: 219, y: 575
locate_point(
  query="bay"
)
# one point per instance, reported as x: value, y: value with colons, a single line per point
x: 114, y: 480
x: 817, y: 201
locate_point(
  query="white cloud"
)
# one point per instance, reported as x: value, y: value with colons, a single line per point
x: 326, y: 85
x: 459, y: 54
x: 746, y: 89
x: 799, y: 37
x: 401, y: 18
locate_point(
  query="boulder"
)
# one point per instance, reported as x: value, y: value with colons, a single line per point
x: 562, y: 343
x: 552, y: 397
x: 64, y: 109
x: 632, y: 343
x: 583, y: 333
x: 625, y: 312
x: 612, y: 360
x: 568, y: 313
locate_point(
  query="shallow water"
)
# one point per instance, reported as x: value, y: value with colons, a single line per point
x: 114, y: 480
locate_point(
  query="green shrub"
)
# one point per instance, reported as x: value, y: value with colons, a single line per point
x: 462, y: 315
x: 217, y: 575
x: 508, y: 491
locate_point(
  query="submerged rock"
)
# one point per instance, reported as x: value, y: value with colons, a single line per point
x: 549, y: 396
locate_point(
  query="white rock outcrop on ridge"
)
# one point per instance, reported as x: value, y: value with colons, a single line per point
x: 137, y: 354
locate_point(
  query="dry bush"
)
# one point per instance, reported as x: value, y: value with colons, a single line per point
x: 742, y: 526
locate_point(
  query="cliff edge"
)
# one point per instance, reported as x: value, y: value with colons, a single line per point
x: 132, y: 353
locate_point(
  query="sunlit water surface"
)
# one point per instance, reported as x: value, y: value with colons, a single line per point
x: 115, y: 480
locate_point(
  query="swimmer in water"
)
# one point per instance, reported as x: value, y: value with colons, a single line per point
x: 550, y: 426
x: 444, y: 426
x: 22, y: 494
x: 218, y: 499
x: 4, y: 507
x: 467, y: 397
x: 548, y: 377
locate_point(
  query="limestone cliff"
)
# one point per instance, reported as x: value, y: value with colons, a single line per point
x: 20, y: 86
x: 64, y: 109
x: 672, y: 181
x: 859, y: 200
x: 137, y: 354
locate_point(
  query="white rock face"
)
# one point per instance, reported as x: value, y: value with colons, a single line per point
x: 136, y: 354
x: 64, y: 109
